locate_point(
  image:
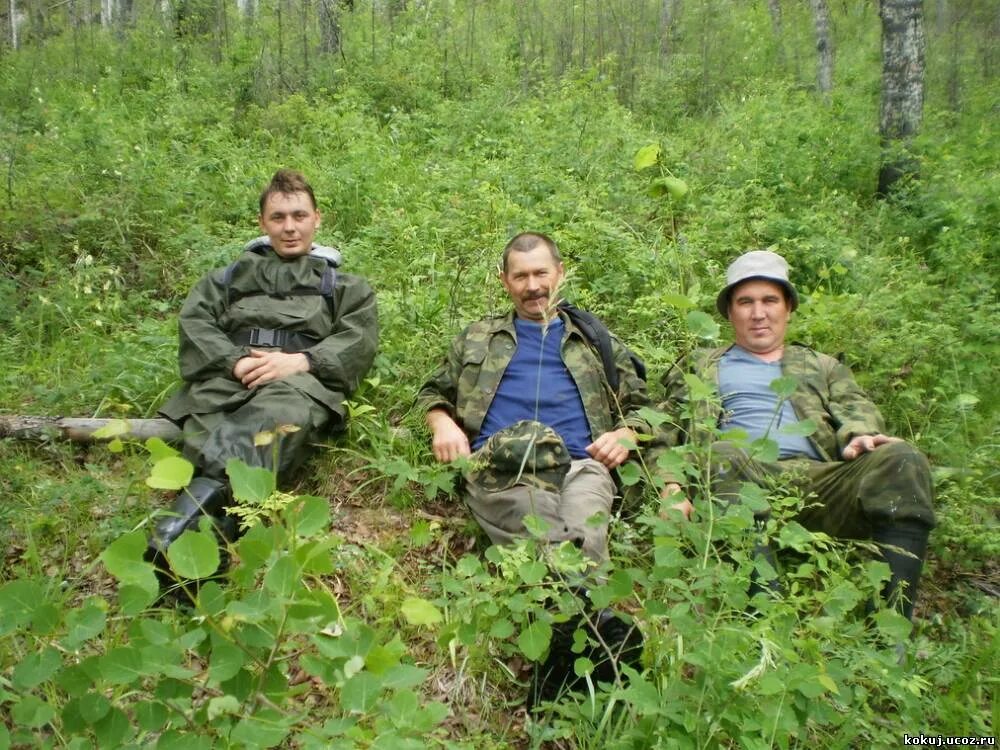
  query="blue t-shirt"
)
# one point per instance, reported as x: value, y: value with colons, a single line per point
x: 751, y: 405
x: 536, y: 385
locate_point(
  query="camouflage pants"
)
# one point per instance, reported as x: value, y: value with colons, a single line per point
x: 210, y: 440
x: 874, y: 491
x: 588, y: 489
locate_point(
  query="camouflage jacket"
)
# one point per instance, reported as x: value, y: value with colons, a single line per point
x: 826, y: 393
x: 466, y: 382
x: 263, y: 290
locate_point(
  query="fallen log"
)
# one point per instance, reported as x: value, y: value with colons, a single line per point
x: 81, y: 430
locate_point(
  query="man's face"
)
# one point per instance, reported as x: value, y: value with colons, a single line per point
x: 760, y: 315
x: 531, y: 279
x: 290, y: 221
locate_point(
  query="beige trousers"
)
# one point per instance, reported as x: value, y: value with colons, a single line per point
x: 587, y: 490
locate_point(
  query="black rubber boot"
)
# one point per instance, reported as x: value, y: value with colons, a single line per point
x: 904, y: 568
x: 202, y: 497
x: 622, y: 644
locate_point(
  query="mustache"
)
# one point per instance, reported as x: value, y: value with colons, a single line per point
x: 535, y: 295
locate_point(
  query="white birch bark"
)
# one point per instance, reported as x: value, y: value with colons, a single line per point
x: 902, y: 85
x: 824, y: 46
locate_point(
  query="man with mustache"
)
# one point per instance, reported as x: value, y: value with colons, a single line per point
x: 867, y: 485
x: 527, y: 397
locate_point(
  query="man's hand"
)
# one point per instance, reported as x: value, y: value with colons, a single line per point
x: 267, y: 365
x: 448, y: 441
x: 608, y: 448
x: 673, y: 491
x: 865, y: 443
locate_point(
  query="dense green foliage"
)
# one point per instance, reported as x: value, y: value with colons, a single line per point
x: 132, y: 163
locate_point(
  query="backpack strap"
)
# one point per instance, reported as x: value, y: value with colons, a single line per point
x: 262, y: 245
x: 599, y: 337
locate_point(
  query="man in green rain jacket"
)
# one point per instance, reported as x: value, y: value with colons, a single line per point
x: 278, y: 338
x: 830, y: 438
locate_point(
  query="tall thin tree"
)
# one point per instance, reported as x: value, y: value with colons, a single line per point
x: 902, y: 88
x: 824, y: 46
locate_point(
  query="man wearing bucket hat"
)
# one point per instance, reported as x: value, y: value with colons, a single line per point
x: 527, y: 396
x: 868, y: 485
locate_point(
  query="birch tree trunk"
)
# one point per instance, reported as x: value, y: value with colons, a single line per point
x: 902, y: 88
x: 669, y: 10
x: 774, y: 10
x: 12, y: 18
x: 329, y: 27
x: 824, y: 46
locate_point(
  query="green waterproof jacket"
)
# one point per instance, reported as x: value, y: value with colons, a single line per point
x: 825, y: 393
x: 465, y: 384
x: 265, y: 291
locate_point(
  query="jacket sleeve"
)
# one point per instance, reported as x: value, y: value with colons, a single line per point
x: 631, y: 395
x: 853, y: 412
x: 343, y: 357
x: 205, y: 350
x: 440, y: 391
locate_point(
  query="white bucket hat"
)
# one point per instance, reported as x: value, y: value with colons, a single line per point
x: 756, y: 264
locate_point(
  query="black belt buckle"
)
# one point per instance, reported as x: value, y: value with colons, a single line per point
x: 267, y: 337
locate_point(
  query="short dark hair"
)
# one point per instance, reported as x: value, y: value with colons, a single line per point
x: 286, y: 182
x: 525, y: 242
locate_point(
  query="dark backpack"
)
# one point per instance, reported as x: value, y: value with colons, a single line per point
x: 599, y: 336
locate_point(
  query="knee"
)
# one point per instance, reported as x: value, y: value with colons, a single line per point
x: 726, y: 454
x: 904, y: 458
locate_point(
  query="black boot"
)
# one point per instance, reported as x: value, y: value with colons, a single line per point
x: 904, y: 568
x: 202, y: 497
x: 622, y: 644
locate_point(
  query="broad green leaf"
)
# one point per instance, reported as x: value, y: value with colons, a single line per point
x: 468, y: 566
x: 93, y: 707
x: 170, y: 473
x: 18, y: 601
x: 264, y: 729
x: 826, y: 681
x: 82, y: 625
x: 158, y: 450
x: 679, y: 301
x: 583, y: 666
x: 195, y: 554
x: 646, y: 157
x: 114, y: 428
x: 353, y: 666
x: 784, y: 386
x: 284, y: 576
x: 536, y: 526
x: 702, y: 325
x: 804, y: 428
x: 534, y: 639
x: 116, y: 446
x: 250, y: 484
x: 893, y: 625
x: 419, y: 611
x: 966, y: 401
x: 502, y: 629
x: 4, y: 738
x: 360, y: 693
x: 122, y: 665
x: 698, y: 388
x: 34, y: 669
x: 226, y: 659
x: 629, y: 473
x: 135, y: 599
x: 675, y: 186
x: 312, y: 515
x: 384, y: 657
x: 223, y: 705
x: 532, y: 572
x: 764, y: 449
x: 32, y: 712
x: 123, y: 559
x: 403, y: 676
x: 150, y: 715
x: 655, y: 417
x: 672, y: 186
x: 795, y: 536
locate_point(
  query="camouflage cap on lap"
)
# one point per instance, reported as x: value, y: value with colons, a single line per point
x: 527, y: 452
